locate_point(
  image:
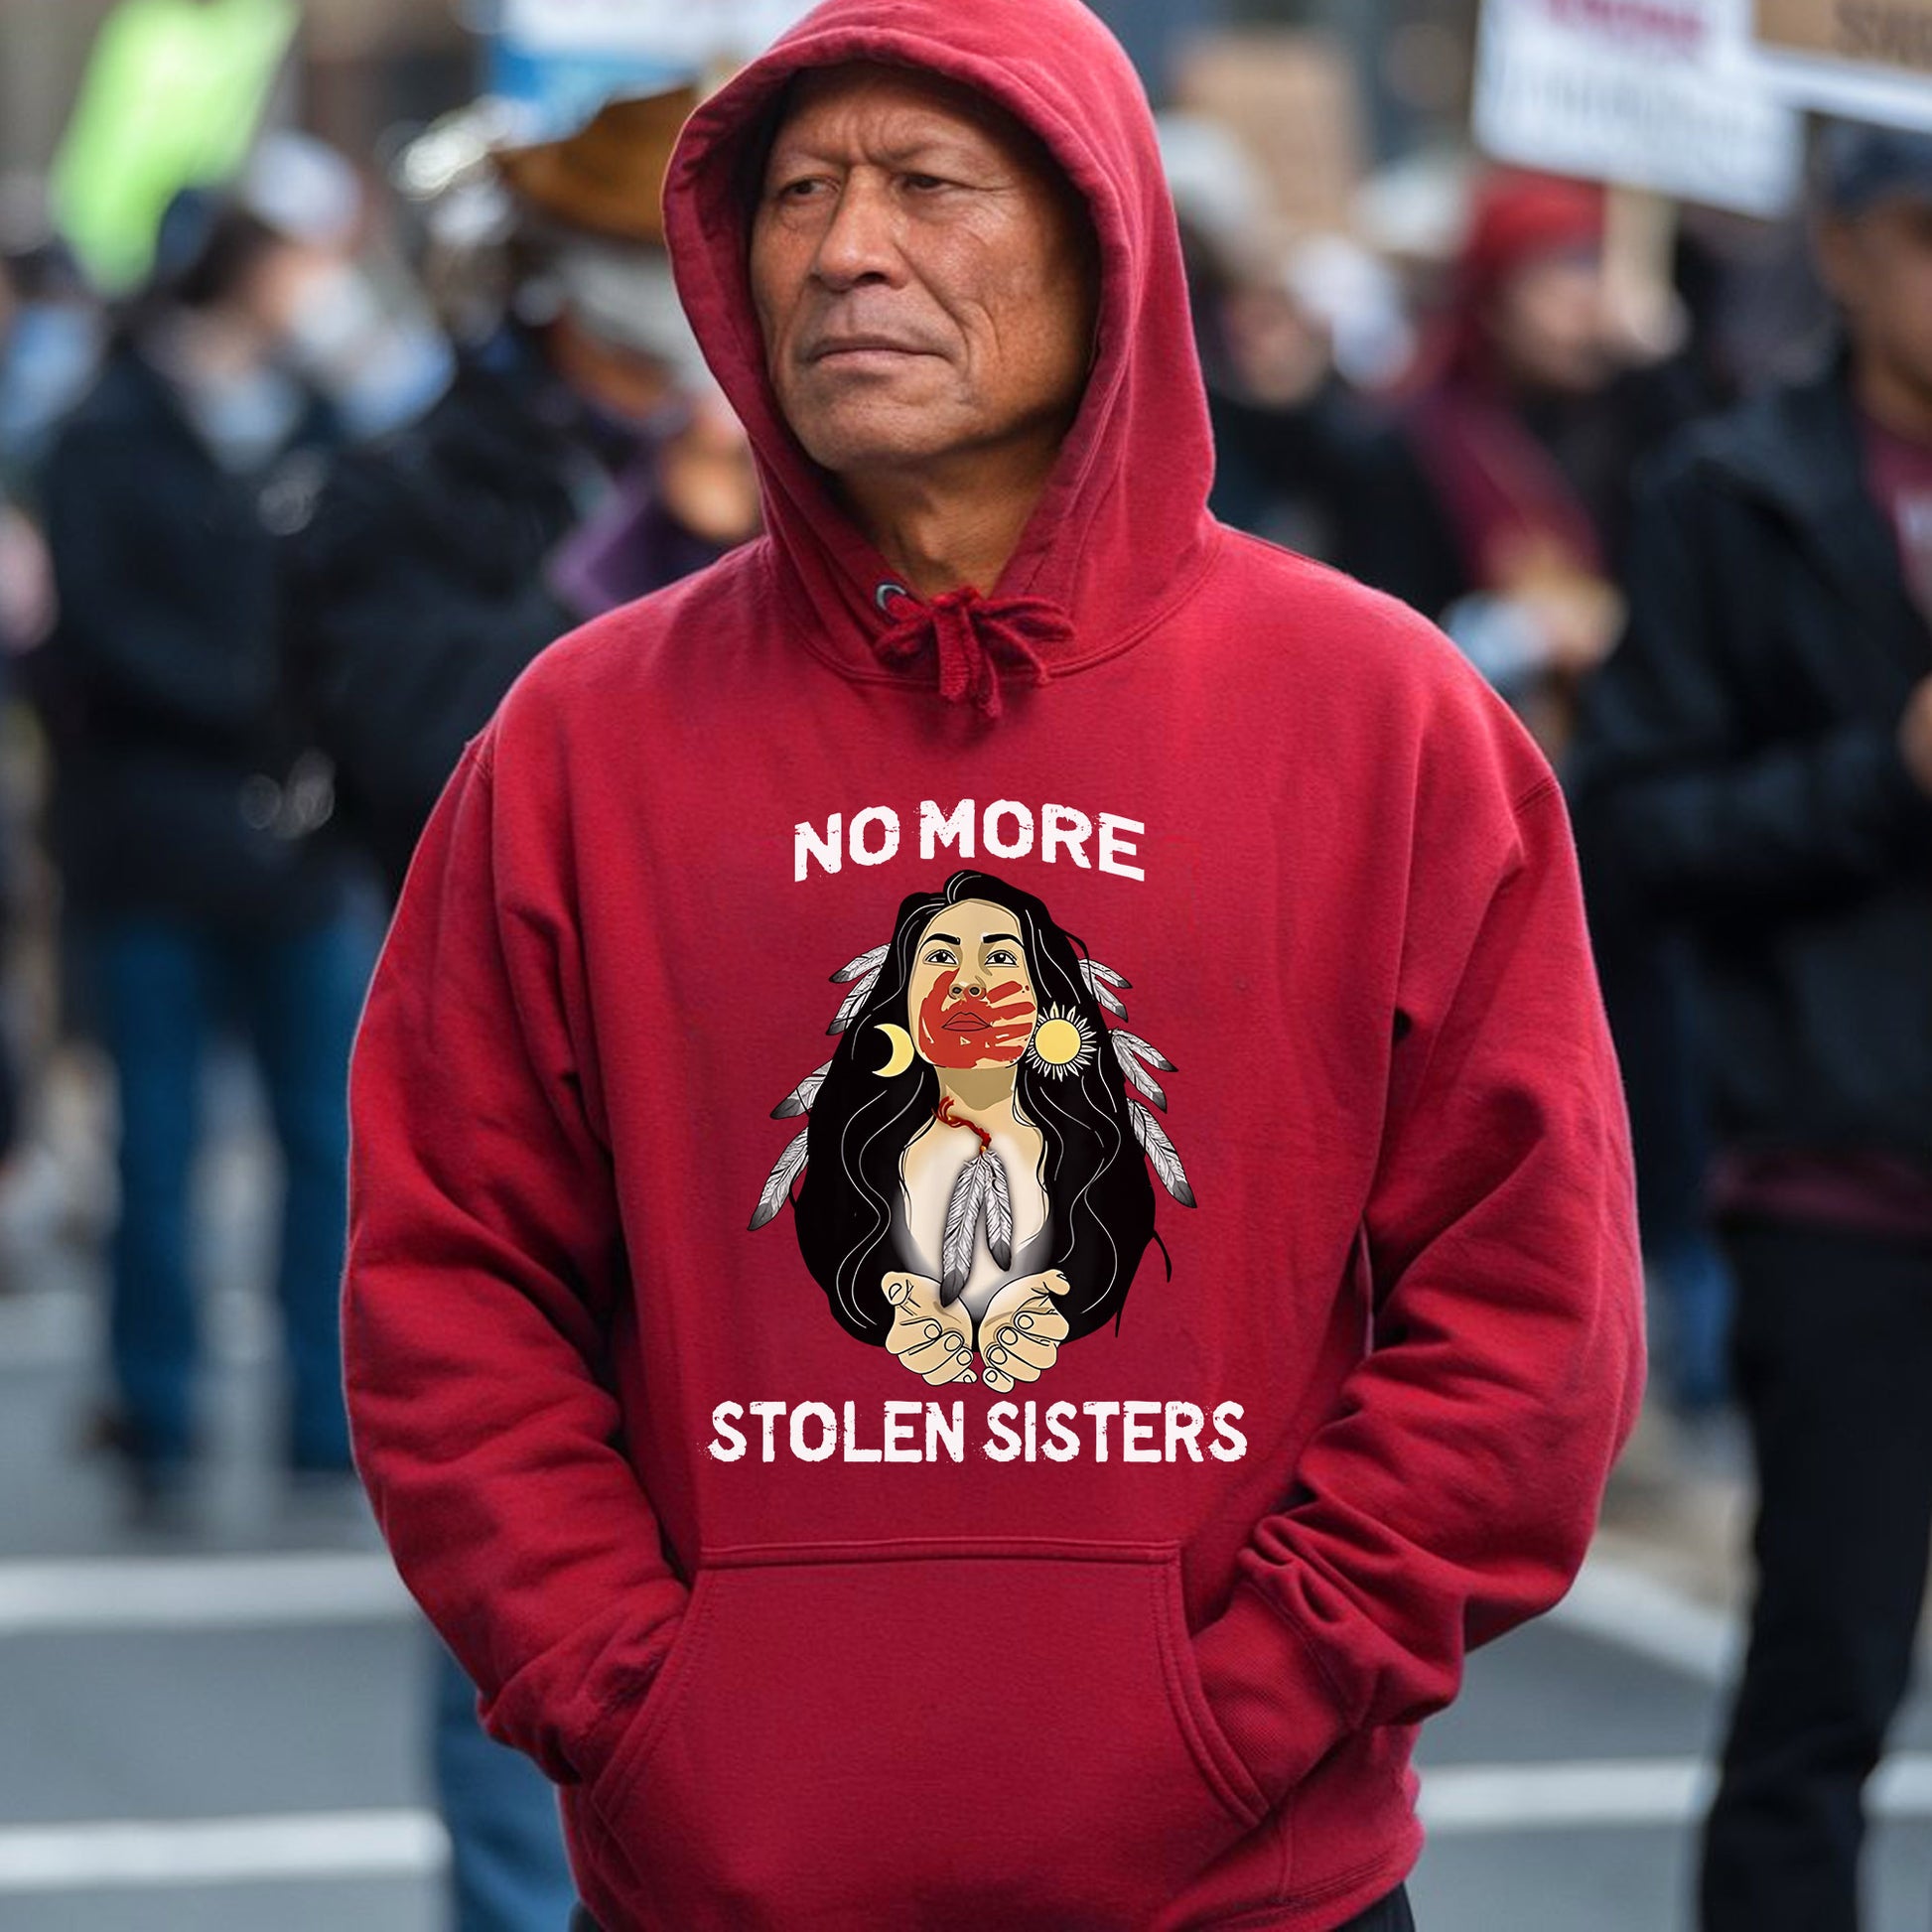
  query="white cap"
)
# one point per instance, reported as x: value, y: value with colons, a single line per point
x: 302, y: 188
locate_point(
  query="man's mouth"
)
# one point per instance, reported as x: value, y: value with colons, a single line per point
x: 862, y: 345
x: 965, y: 1023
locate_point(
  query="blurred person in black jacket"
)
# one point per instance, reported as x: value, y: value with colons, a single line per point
x: 190, y: 814
x: 581, y: 458
x: 1755, y: 763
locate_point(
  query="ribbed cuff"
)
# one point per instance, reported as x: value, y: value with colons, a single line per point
x: 571, y: 1734
x: 1273, y: 1700
x: 606, y: 1729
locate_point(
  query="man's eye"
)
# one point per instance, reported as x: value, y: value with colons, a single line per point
x: 940, y: 956
x: 925, y: 183
x: 1006, y: 956
x: 796, y: 191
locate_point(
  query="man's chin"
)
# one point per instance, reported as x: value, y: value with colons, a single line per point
x: 876, y: 434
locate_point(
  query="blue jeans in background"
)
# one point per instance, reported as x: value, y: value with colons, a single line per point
x: 1695, y: 1278
x: 509, y: 1872
x: 163, y: 985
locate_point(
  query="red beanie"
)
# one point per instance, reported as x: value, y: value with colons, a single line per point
x: 1519, y: 217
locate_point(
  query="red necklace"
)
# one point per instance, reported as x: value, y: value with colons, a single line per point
x: 943, y: 1115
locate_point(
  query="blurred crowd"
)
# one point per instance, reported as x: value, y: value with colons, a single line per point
x: 283, y: 519
x: 286, y: 508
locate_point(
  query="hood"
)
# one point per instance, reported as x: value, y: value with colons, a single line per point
x: 1121, y: 534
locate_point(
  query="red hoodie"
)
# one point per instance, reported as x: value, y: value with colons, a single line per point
x: 1340, y: 1220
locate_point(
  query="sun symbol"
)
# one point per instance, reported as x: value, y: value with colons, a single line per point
x: 1063, y: 1042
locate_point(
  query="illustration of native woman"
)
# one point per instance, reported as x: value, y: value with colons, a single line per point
x: 976, y: 1176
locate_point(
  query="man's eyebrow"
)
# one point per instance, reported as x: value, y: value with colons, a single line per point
x: 938, y: 149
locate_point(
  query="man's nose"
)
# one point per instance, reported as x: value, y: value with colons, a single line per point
x: 969, y: 983
x: 858, y: 243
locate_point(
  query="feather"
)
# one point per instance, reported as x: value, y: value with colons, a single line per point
x: 999, y: 1210
x: 962, y: 1230
x: 1109, y: 1001
x: 867, y: 962
x: 799, y: 1099
x: 853, y: 1001
x: 777, y: 1189
x: 1152, y: 1054
x: 1136, y: 1072
x: 1092, y: 966
x: 1160, y: 1150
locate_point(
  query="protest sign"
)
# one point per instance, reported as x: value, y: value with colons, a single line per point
x: 1659, y: 94
x: 1871, y: 60
x: 687, y: 33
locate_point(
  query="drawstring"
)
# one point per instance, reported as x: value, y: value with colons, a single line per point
x: 969, y: 633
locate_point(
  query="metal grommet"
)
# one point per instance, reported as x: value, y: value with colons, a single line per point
x: 885, y: 594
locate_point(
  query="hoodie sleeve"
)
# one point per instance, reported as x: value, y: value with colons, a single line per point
x: 485, y: 1259
x: 1452, y: 1492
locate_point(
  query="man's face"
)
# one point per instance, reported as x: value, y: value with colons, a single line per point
x: 971, y: 1000
x: 923, y: 275
x: 1880, y: 267
x: 1547, y: 322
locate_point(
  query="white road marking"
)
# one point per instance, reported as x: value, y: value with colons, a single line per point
x: 221, y: 1851
x: 1620, y: 1605
x: 1460, y: 1800
x: 63, y: 1328
x: 303, y: 1588
x: 1463, y: 1799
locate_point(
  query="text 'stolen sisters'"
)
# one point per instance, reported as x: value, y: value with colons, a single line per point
x: 991, y: 1213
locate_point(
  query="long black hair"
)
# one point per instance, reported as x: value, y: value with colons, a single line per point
x: 1091, y: 1167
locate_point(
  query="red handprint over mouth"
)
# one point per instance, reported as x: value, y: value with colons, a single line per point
x: 975, y: 1030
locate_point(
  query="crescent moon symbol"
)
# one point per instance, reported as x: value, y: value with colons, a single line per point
x: 902, y: 1043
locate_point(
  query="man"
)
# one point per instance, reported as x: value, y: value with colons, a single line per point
x: 831, y: 1589
x: 1758, y: 758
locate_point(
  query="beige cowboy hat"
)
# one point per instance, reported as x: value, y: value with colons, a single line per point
x: 608, y: 177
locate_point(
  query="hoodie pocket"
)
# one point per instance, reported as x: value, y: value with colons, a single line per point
x: 953, y: 1733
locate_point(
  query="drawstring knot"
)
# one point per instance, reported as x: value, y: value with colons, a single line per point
x: 970, y: 634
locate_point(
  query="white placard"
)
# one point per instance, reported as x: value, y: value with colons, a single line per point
x: 1871, y: 60
x: 1663, y: 95
x: 673, y: 31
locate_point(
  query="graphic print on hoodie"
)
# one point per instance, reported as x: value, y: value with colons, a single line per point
x: 808, y: 1639
x: 929, y: 1232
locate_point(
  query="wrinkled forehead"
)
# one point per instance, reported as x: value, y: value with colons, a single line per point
x: 906, y: 104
